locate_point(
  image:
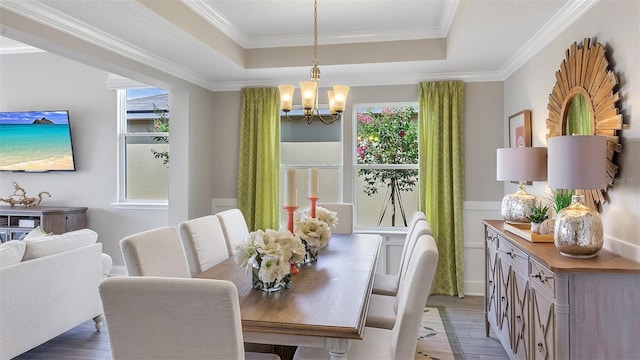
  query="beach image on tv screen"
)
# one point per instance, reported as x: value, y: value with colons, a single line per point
x: 35, y: 141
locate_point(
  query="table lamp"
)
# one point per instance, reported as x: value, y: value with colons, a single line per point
x: 520, y: 164
x: 578, y: 162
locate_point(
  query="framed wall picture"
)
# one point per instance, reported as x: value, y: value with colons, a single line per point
x: 520, y: 129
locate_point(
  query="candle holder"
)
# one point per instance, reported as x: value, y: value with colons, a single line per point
x: 290, y: 211
x: 313, y: 200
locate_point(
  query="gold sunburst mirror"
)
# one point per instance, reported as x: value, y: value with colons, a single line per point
x: 584, y: 102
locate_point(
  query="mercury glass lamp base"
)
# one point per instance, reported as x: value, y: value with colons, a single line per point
x: 578, y: 230
x: 516, y: 207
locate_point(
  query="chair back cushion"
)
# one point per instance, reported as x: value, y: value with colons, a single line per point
x: 412, y: 297
x: 156, y: 252
x: 172, y: 318
x: 204, y: 243
x: 420, y: 228
x: 234, y: 227
x: 345, y: 216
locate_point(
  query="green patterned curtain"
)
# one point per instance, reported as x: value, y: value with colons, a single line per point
x: 441, y: 178
x: 259, y: 162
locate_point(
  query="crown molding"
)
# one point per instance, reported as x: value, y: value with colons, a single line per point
x: 560, y: 21
x: 214, y: 17
x: 63, y: 23
x: 448, y: 14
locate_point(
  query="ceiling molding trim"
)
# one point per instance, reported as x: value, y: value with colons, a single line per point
x: 448, y: 14
x: 329, y: 38
x: 13, y: 50
x: 61, y: 22
x: 566, y: 16
x: 391, y: 79
x: 214, y: 17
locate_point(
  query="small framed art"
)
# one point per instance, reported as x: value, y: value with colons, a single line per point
x: 520, y: 129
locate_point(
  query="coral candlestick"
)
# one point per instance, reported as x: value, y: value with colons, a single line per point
x: 313, y: 200
x: 290, y: 210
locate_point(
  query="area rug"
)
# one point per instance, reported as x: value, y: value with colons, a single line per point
x: 437, y: 340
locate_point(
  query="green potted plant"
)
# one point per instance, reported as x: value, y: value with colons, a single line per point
x: 561, y: 199
x: 538, y: 214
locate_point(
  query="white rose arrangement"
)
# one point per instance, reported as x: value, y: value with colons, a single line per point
x: 313, y: 231
x: 271, y: 251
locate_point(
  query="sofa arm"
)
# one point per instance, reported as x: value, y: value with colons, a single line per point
x: 107, y: 265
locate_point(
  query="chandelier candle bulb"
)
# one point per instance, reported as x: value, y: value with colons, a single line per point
x: 340, y: 93
x: 292, y: 195
x: 286, y: 97
x: 308, y: 90
x: 332, y: 103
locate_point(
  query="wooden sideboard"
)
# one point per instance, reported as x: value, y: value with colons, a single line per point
x: 17, y: 221
x: 543, y: 305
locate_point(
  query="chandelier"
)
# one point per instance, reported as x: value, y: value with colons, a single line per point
x: 309, y: 89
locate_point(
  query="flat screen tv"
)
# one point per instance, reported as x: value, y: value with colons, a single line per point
x: 36, y: 141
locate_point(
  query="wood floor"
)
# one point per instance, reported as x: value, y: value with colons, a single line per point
x: 84, y: 343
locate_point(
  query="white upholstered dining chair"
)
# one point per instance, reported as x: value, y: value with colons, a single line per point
x: 173, y: 318
x: 345, y: 216
x: 234, y: 227
x: 156, y: 252
x: 387, y: 284
x: 400, y: 342
x: 204, y: 243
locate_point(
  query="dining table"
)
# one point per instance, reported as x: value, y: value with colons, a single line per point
x: 326, y: 304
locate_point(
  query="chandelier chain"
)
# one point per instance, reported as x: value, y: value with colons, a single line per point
x: 315, y: 33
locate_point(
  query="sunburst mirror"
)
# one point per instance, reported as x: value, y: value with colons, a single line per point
x: 584, y: 102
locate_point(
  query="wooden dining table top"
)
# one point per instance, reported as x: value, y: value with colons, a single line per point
x: 327, y: 298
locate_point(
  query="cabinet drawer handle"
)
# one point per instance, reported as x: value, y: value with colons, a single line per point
x: 542, y: 278
x: 540, y: 347
x: 519, y: 318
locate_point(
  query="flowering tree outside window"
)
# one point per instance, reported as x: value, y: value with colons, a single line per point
x: 387, y: 139
x: 161, y: 124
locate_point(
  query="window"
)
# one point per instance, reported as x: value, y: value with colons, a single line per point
x: 303, y: 146
x: 386, y: 164
x: 143, y: 145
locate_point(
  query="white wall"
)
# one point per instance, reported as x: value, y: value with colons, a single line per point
x: 615, y: 25
x: 44, y: 81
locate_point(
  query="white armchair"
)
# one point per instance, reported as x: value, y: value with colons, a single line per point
x: 234, y: 227
x: 400, y: 342
x: 345, y: 216
x: 173, y: 318
x: 204, y: 243
x: 156, y: 252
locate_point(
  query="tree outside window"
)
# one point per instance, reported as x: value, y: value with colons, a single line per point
x: 387, y: 161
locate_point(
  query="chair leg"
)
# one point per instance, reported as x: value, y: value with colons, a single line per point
x: 98, y: 321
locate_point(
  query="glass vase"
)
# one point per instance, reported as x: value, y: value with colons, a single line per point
x: 311, y: 254
x: 269, y: 287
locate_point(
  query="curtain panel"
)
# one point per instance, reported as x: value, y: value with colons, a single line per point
x: 259, y: 161
x: 441, y: 178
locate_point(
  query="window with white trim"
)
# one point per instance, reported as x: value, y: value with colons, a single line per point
x: 143, y: 146
x: 304, y: 146
x: 385, y: 164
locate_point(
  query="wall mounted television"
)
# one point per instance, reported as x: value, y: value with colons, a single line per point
x: 36, y: 141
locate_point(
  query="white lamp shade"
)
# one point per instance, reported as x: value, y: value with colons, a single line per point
x: 308, y: 92
x: 577, y: 162
x: 340, y: 93
x: 286, y: 96
x: 521, y: 164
